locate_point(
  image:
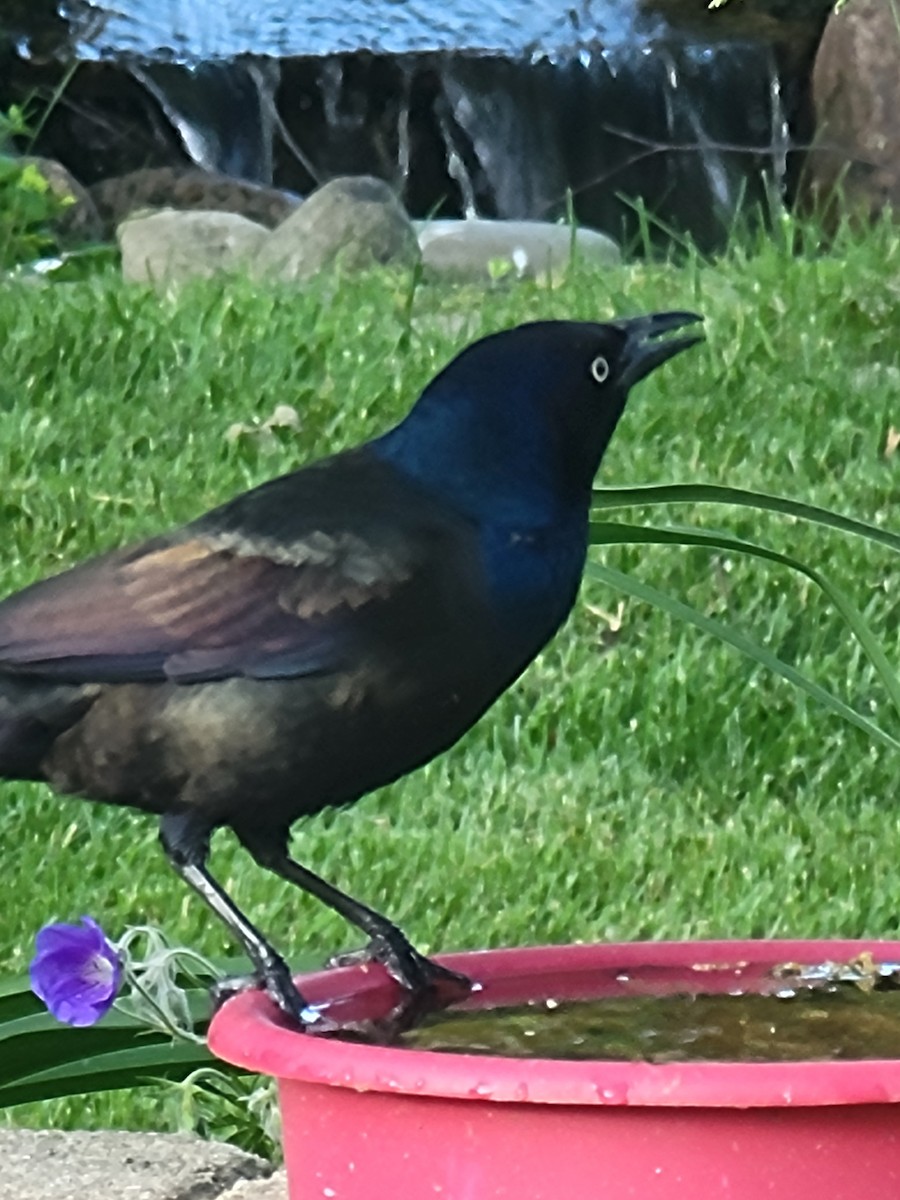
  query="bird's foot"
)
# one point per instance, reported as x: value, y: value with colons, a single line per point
x: 413, y: 971
x: 231, y: 985
x: 427, y: 987
x: 279, y: 986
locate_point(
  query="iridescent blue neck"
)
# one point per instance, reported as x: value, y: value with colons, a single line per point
x: 492, y: 469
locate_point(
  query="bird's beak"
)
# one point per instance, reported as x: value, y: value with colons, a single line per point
x: 644, y: 351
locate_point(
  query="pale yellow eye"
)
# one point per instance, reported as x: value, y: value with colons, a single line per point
x: 600, y: 369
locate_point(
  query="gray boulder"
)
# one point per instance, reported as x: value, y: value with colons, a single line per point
x: 855, y: 162
x: 79, y: 220
x: 187, y: 189
x: 168, y: 246
x: 353, y: 222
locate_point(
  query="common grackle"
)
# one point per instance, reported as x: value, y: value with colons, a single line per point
x: 331, y: 630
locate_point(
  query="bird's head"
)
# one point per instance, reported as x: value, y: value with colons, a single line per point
x: 526, y: 414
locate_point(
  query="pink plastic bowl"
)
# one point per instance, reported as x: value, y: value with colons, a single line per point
x: 374, y: 1123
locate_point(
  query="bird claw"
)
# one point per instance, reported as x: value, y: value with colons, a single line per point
x: 349, y: 958
x: 232, y: 985
x: 413, y: 971
x: 280, y: 988
x: 427, y: 986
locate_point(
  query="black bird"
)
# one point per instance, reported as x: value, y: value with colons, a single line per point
x: 331, y: 630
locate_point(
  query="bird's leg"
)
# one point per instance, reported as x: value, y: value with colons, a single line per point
x: 387, y: 944
x: 186, y: 845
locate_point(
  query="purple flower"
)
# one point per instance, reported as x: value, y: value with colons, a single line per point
x: 76, y: 971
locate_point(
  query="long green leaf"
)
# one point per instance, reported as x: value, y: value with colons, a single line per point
x: 60, y: 1048
x: 608, y: 533
x: 35, y: 1024
x: 732, y: 637
x: 41, y: 1059
x: 17, y: 1000
x: 705, y: 493
x: 125, y: 1067
x: 14, y: 987
x: 37, y: 1051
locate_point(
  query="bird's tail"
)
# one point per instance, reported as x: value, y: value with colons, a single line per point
x: 32, y: 715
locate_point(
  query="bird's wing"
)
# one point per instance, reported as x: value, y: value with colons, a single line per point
x: 205, y: 605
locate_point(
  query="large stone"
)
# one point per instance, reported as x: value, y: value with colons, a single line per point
x: 166, y: 247
x: 855, y: 163
x: 188, y: 189
x: 79, y: 219
x: 478, y: 249
x: 52, y: 1165
x: 353, y: 222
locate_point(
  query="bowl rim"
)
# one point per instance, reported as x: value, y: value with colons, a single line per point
x: 248, y: 1031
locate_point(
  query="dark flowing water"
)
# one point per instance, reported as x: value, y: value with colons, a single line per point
x: 822, y: 1013
x: 496, y: 108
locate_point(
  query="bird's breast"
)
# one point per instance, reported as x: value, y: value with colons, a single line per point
x: 533, y: 577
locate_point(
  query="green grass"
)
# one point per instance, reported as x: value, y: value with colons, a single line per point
x: 658, y: 787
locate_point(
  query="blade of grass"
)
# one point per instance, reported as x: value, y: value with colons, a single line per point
x: 733, y: 637
x: 704, y: 493
x: 609, y: 533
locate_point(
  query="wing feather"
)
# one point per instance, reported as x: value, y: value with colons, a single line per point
x: 300, y: 575
x: 191, y: 610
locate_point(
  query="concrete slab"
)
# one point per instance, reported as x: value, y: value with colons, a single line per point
x: 115, y: 1165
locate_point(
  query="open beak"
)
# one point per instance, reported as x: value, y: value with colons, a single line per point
x: 644, y: 351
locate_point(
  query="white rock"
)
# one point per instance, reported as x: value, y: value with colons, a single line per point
x: 479, y: 249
